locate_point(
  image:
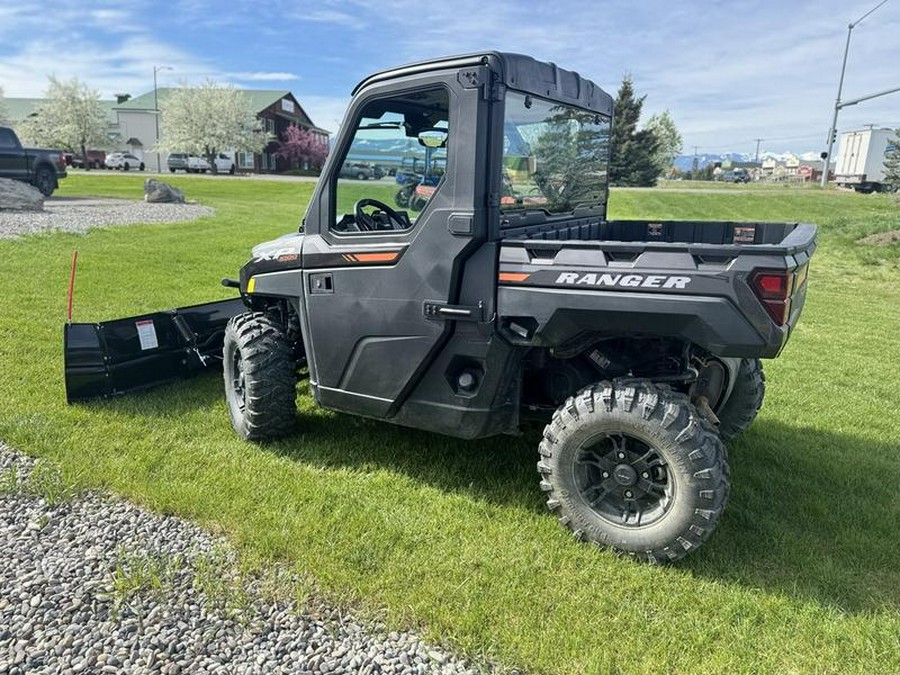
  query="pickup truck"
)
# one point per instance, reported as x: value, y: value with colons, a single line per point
x: 509, y: 297
x: 41, y: 168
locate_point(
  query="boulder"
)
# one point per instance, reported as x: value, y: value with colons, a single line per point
x: 18, y: 196
x: 156, y: 191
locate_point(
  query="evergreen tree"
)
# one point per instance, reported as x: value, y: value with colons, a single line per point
x: 633, y: 160
x: 892, y: 162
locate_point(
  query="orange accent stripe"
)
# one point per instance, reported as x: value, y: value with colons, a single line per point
x: 376, y: 257
x: 514, y: 276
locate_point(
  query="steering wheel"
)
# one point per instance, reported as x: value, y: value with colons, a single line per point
x: 367, y: 222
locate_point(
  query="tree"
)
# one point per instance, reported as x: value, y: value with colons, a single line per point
x: 892, y: 162
x: 302, y: 145
x: 633, y: 160
x: 670, y: 145
x: 4, y: 114
x: 72, y: 118
x: 570, y: 153
x: 207, y: 119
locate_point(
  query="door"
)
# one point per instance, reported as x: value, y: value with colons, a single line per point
x: 13, y: 162
x: 384, y: 264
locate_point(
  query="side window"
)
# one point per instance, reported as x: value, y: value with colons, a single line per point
x: 394, y: 164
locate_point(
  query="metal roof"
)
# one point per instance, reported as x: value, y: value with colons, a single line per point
x: 19, y: 108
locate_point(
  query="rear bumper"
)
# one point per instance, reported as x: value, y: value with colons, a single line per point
x: 714, y: 323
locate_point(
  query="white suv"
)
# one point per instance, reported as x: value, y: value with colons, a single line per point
x: 124, y: 161
x: 224, y: 164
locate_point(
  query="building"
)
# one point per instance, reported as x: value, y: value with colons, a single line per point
x: 277, y: 109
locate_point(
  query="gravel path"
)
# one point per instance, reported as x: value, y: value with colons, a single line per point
x: 77, y: 215
x: 90, y: 584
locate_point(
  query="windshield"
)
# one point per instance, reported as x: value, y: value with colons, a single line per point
x: 555, y: 157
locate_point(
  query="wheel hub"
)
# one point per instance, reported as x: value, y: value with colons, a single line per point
x: 625, y: 475
x: 623, y: 480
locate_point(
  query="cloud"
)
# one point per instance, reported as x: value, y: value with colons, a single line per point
x: 260, y: 76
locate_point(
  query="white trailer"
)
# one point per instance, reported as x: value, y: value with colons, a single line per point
x: 860, y: 159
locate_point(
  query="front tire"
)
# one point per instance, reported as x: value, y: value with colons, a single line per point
x: 260, y: 377
x: 745, y: 400
x: 633, y: 466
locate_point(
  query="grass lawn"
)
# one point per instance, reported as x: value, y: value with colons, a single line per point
x: 803, y: 574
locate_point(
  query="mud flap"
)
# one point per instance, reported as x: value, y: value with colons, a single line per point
x: 124, y: 355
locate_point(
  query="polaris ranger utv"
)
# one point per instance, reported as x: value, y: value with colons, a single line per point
x: 509, y: 297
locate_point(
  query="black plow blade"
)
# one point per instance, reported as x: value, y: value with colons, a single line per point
x: 124, y: 355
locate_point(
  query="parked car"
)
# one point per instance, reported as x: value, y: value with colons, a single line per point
x: 124, y: 160
x: 96, y: 159
x: 41, y: 168
x: 178, y: 161
x: 224, y: 164
x: 356, y: 170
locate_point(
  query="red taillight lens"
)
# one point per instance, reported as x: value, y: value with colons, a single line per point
x: 773, y: 288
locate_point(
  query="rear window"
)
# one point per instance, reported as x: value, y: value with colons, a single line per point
x: 8, y: 139
x: 555, y: 156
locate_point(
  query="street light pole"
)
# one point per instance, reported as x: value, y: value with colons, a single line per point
x: 156, y: 69
x: 837, y: 102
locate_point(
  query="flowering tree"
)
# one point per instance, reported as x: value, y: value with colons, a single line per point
x: 207, y: 119
x: 4, y: 116
x: 303, y: 145
x: 72, y: 118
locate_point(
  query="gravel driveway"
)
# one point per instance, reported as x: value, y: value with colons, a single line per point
x: 73, y: 214
x: 90, y: 584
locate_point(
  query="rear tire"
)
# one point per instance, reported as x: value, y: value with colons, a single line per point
x: 45, y: 181
x: 745, y: 400
x: 633, y: 466
x: 260, y: 377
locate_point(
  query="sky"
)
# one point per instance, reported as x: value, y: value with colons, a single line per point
x: 728, y: 71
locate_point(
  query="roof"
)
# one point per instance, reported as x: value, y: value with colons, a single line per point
x: 260, y: 99
x: 516, y: 71
x: 20, y: 108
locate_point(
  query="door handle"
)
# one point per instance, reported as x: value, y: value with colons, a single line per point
x: 441, y: 311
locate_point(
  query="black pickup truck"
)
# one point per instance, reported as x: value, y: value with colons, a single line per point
x: 41, y: 168
x: 509, y: 297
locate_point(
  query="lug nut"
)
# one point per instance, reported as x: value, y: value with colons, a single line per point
x: 621, y: 455
x: 645, y: 475
x: 605, y: 474
x: 629, y: 493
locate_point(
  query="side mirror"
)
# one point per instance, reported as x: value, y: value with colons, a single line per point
x: 433, y: 138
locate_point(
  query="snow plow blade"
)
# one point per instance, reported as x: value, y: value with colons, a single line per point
x: 124, y: 355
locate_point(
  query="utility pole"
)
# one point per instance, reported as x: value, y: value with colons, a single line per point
x: 156, y: 69
x: 758, y: 141
x: 832, y: 131
x: 695, y: 166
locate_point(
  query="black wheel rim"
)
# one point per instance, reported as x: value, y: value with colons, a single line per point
x: 624, y: 480
x: 238, y: 380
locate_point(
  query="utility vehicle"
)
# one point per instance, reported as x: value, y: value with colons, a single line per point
x: 508, y: 297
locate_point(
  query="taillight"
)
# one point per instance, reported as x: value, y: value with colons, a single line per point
x: 61, y: 162
x: 774, y: 288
